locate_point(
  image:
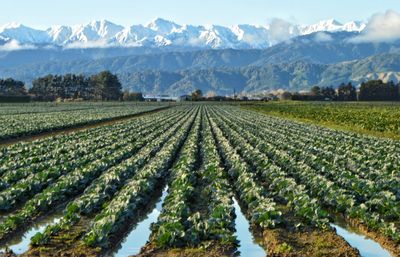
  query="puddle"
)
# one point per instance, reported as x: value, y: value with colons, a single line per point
x: 20, y: 242
x: 366, y: 246
x: 248, y: 244
x: 138, y: 237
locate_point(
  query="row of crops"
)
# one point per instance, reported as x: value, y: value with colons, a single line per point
x: 30, y: 119
x: 291, y: 180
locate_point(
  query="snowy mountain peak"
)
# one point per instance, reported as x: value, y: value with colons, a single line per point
x: 22, y: 34
x: 162, y: 26
x: 331, y: 22
x: 357, y: 26
x: 161, y: 32
x: 11, y: 25
x: 333, y: 25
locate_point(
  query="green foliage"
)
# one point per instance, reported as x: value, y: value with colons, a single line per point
x: 336, y: 173
x: 134, y: 195
x: 208, y: 154
x: 101, y: 86
x: 373, y: 117
x: 39, y: 239
x: 347, y: 92
x: 11, y: 87
x: 105, y: 86
x: 376, y: 90
x: 284, y: 248
x: 20, y: 120
x: 67, y: 180
x: 132, y: 96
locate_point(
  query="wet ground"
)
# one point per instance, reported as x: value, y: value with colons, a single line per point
x: 249, y: 246
x: 366, y: 246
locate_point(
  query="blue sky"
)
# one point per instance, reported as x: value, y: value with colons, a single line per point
x: 42, y: 13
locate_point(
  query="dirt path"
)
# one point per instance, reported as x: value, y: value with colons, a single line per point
x: 74, y: 128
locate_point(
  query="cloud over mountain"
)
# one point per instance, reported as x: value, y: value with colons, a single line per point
x: 14, y: 45
x: 382, y: 27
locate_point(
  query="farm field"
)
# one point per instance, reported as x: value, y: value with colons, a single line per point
x: 193, y: 172
x: 18, y: 120
x: 373, y: 118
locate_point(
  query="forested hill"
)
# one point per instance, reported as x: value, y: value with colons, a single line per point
x: 295, y: 65
x: 294, y: 76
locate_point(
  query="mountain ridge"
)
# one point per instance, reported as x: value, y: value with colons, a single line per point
x: 161, y: 32
x: 293, y: 76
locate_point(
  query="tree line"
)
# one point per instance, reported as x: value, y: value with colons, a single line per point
x: 373, y: 90
x: 102, y: 86
x: 106, y: 86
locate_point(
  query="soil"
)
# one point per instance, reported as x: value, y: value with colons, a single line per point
x: 66, y: 243
x: 281, y: 242
x: 307, y: 241
x: 384, y: 241
x: 209, y: 249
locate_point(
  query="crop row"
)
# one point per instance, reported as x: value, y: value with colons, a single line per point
x: 73, y: 154
x: 282, y: 174
x: 199, y: 205
x: 12, y: 126
x: 261, y: 209
x: 26, y: 153
x: 367, y: 156
x: 378, y: 195
x: 137, y: 191
x: 275, y: 179
x: 75, y: 181
x: 174, y: 221
x: 36, y: 181
x: 219, y: 224
x: 331, y: 193
x: 109, y: 183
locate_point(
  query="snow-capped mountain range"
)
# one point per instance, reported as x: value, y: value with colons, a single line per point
x: 161, y: 32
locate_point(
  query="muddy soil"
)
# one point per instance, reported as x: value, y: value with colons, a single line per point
x: 306, y: 241
x: 209, y: 249
x: 385, y: 242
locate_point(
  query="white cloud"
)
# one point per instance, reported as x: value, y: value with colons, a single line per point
x: 88, y: 44
x: 382, y: 27
x: 323, y: 37
x: 281, y: 30
x: 14, y: 45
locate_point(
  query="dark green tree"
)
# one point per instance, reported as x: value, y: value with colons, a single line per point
x: 316, y: 90
x: 11, y: 87
x: 328, y: 93
x: 377, y: 90
x: 132, y: 96
x: 347, y: 92
x: 43, y: 88
x: 77, y: 86
x: 106, y: 86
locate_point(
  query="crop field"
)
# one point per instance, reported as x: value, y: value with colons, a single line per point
x: 29, y: 119
x: 193, y: 170
x: 373, y: 118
